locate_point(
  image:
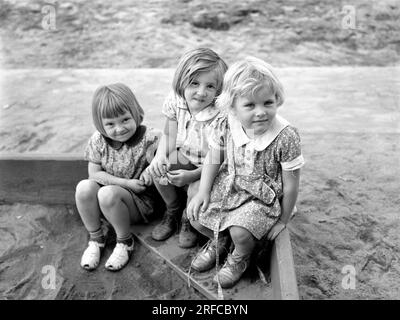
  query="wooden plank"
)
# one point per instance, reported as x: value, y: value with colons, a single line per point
x: 40, y: 178
x: 250, y: 287
x: 283, y: 276
x: 51, y: 179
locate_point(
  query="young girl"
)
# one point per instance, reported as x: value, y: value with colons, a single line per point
x: 118, y: 186
x: 189, y: 111
x: 255, y: 189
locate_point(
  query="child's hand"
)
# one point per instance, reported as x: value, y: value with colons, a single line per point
x: 146, y: 178
x: 179, y: 177
x: 159, y: 166
x: 136, y: 185
x: 200, y: 200
x: 275, y: 230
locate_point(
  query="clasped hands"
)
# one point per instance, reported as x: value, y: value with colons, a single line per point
x: 160, y: 168
x: 139, y: 185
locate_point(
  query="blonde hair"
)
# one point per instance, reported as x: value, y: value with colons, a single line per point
x: 247, y: 76
x: 194, y: 62
x: 114, y: 100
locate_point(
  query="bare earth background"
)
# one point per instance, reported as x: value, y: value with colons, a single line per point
x: 348, y: 117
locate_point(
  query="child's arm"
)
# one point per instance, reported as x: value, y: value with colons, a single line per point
x: 210, y: 169
x: 183, y: 177
x: 168, y: 138
x: 97, y: 174
x: 290, y: 181
x: 166, y: 145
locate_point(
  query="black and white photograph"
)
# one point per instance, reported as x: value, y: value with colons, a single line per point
x: 202, y: 151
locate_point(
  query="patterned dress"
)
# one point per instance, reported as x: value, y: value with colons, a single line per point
x: 248, y: 188
x: 127, y: 160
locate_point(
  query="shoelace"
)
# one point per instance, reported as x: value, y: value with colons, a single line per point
x: 167, y: 220
x: 185, y: 226
x: 233, y: 262
x: 202, y: 249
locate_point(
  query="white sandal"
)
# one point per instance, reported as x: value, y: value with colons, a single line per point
x: 119, y: 257
x: 91, y: 256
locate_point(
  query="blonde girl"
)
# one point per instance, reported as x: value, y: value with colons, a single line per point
x: 253, y: 193
x: 189, y: 110
x: 118, y: 186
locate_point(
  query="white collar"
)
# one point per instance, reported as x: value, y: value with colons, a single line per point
x: 240, y: 137
x: 207, y: 113
x: 204, y: 115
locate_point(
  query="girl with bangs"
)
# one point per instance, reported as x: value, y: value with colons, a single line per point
x: 118, y: 187
x: 189, y: 113
x: 250, y: 196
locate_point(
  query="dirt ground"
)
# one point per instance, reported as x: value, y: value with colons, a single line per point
x: 153, y: 34
x: 348, y: 202
x: 52, y: 237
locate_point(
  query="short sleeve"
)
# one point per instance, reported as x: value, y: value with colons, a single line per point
x: 152, y: 139
x: 94, y: 149
x: 289, y: 149
x: 170, y: 106
x: 218, y: 134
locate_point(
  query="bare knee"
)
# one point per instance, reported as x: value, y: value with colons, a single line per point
x: 86, y: 190
x: 108, y: 197
x: 240, y: 235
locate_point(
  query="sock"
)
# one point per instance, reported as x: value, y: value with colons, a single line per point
x: 97, y: 236
x: 128, y: 240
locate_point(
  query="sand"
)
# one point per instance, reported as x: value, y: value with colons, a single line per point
x: 348, y: 116
x: 348, y: 201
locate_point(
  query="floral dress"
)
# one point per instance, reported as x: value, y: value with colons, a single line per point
x: 248, y: 188
x: 127, y: 160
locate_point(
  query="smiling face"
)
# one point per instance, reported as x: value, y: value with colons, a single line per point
x: 256, y: 112
x: 201, y: 92
x: 120, y: 128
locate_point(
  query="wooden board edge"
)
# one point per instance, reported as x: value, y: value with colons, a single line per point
x: 40, y: 178
x: 29, y: 156
x: 177, y: 269
x: 283, y: 276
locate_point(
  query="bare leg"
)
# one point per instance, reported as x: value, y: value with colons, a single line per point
x: 243, y: 240
x: 118, y: 207
x: 89, y: 210
x: 236, y: 263
x: 87, y: 204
